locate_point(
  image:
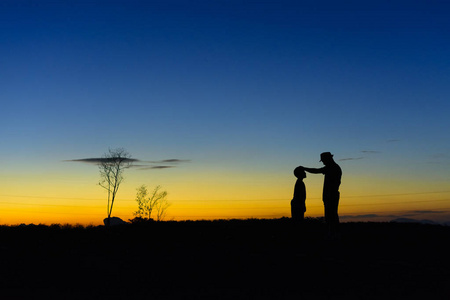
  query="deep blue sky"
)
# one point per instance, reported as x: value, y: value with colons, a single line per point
x: 235, y: 86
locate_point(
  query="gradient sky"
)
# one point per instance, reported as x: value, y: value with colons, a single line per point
x: 237, y: 93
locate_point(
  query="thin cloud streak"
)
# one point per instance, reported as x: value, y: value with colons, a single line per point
x: 360, y: 157
x: 136, y: 163
x: 155, y: 167
x: 98, y: 160
x: 351, y: 158
x: 170, y: 161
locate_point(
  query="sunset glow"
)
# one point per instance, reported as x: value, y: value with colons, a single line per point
x: 219, y: 101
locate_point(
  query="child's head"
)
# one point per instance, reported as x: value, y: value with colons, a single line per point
x: 299, y: 172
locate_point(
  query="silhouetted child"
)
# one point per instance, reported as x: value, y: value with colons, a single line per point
x: 298, y: 206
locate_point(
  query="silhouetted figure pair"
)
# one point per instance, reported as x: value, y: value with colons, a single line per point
x: 331, y: 195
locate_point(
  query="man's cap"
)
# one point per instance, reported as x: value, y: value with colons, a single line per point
x: 325, y: 155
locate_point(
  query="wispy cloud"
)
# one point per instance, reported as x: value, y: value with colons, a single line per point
x: 350, y: 158
x: 393, y: 140
x: 170, y: 161
x: 155, y: 167
x: 440, y: 156
x: 368, y: 152
x: 136, y: 163
x: 98, y: 160
x: 438, y: 159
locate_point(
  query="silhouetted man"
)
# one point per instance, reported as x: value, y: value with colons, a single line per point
x: 330, y: 196
x: 298, y: 206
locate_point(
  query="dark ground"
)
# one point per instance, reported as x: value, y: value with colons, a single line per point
x: 250, y: 259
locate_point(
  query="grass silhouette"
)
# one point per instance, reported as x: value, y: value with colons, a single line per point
x: 225, y: 259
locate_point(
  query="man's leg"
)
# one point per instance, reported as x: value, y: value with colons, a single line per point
x: 331, y: 215
x: 334, y: 216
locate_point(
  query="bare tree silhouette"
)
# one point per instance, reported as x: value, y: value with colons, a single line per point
x: 111, y: 167
x: 156, y: 201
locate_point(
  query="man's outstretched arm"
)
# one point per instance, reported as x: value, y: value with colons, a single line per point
x: 313, y: 170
